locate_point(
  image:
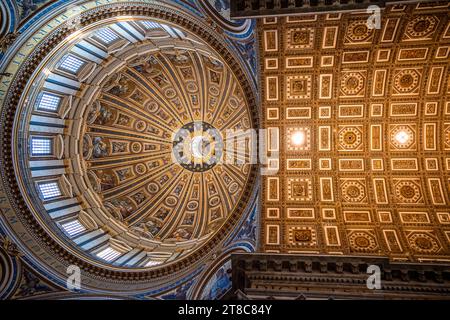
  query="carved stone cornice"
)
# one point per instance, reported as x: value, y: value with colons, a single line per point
x: 242, y: 9
x: 287, y: 276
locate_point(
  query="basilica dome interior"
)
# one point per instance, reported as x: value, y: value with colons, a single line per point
x: 343, y: 162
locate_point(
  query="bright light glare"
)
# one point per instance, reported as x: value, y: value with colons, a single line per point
x: 298, y: 138
x: 197, y: 146
x: 402, y: 137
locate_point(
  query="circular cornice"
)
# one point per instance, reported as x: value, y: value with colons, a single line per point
x: 20, y: 81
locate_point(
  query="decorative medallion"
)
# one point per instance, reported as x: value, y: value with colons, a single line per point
x: 421, y: 27
x: 362, y: 241
x: 352, y: 83
x: 423, y: 243
x: 350, y: 138
x: 408, y: 191
x: 358, y: 31
x: 406, y: 81
x: 353, y: 191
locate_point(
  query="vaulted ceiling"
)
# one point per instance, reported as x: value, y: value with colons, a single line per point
x: 359, y: 121
x: 95, y: 99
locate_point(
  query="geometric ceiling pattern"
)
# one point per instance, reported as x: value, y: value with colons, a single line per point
x: 92, y: 97
x: 360, y: 119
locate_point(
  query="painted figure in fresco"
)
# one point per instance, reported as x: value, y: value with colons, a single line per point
x: 179, y: 294
x: 101, y: 180
x: 107, y: 181
x: 104, y: 116
x: 123, y: 174
x: 215, y: 63
x: 100, y: 148
x: 248, y: 51
x: 222, y: 5
x: 123, y: 87
x: 148, y: 66
x: 189, y: 219
x: 181, y: 57
x: 31, y: 286
x: 139, y: 197
x: 123, y: 206
x: 249, y: 229
x: 152, y: 228
x: 162, y: 214
x: 86, y: 146
x: 182, y: 234
x: 119, y: 147
x: 147, y: 229
x: 28, y: 6
x: 123, y: 120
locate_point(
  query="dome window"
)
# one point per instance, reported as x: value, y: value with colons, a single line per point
x: 106, y: 36
x: 49, y: 190
x: 41, y: 146
x: 150, y: 25
x: 73, y: 228
x: 108, y: 254
x: 49, y: 102
x: 152, y: 263
x: 72, y: 64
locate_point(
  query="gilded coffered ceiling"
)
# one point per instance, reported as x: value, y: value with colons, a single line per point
x: 360, y: 119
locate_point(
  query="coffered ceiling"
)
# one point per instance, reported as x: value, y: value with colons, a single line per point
x: 359, y: 121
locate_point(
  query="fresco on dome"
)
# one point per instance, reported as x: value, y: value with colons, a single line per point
x: 222, y: 6
x: 27, y: 7
x: 180, y: 293
x: 219, y: 283
x: 248, y: 230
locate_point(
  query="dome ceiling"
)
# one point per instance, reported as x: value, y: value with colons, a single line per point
x: 361, y: 118
x: 100, y: 124
x: 128, y: 146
